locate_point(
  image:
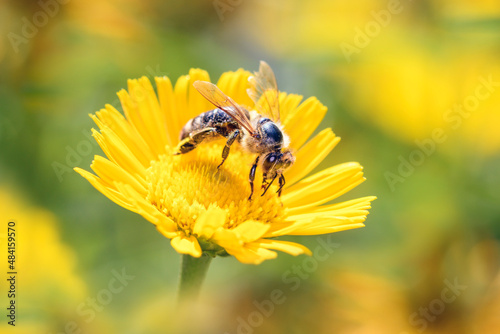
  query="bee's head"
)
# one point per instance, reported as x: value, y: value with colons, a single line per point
x: 277, y: 162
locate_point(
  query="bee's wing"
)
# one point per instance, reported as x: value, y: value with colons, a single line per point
x: 213, y: 94
x: 263, y: 85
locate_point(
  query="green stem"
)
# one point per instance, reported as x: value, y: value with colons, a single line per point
x: 193, y: 271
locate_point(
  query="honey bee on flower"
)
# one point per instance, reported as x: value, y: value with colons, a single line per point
x: 204, y: 209
x: 258, y: 132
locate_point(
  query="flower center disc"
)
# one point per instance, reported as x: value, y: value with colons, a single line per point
x: 185, y: 186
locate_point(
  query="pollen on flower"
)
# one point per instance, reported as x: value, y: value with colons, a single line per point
x: 184, y: 186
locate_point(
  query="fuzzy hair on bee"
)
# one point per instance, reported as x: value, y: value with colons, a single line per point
x: 258, y: 131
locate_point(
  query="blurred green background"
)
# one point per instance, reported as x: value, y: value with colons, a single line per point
x: 412, y: 87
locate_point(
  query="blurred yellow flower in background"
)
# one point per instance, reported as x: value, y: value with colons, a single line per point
x: 46, y: 280
x: 409, y: 94
x: 202, y: 209
x: 97, y: 15
x: 310, y: 28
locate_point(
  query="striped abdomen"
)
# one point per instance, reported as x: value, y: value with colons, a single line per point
x: 215, y: 118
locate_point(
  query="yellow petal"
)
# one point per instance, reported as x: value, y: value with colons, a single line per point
x: 251, y: 230
x: 118, y: 152
x: 110, y: 193
x: 324, y: 219
x: 168, y: 228
x: 111, y: 119
x: 235, y: 85
x: 148, y: 109
x: 234, y: 241
x: 288, y: 105
x: 189, y: 102
x: 186, y: 245
x: 227, y: 238
x: 348, y: 208
x: 110, y: 172
x: 324, y: 186
x: 252, y: 254
x: 130, y: 103
x: 140, y: 204
x: 325, y: 229
x: 168, y: 108
x: 181, y: 90
x: 209, y: 221
x: 197, y: 104
x: 302, y: 122
x: 284, y: 246
x: 310, y: 155
x: 313, y: 226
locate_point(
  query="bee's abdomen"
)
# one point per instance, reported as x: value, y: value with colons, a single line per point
x: 215, y: 118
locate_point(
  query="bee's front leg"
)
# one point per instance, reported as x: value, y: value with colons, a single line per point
x: 266, y: 184
x: 282, y: 184
x: 251, y: 178
x: 230, y: 141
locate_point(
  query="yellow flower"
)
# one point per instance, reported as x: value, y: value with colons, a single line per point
x: 417, y: 94
x: 203, y: 209
x: 47, y: 285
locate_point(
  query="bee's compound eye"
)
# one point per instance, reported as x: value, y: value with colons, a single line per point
x: 269, y: 161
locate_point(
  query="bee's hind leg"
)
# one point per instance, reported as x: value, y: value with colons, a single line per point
x: 230, y: 141
x: 190, y: 142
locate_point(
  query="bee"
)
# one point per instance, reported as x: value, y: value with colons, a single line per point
x: 258, y: 131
